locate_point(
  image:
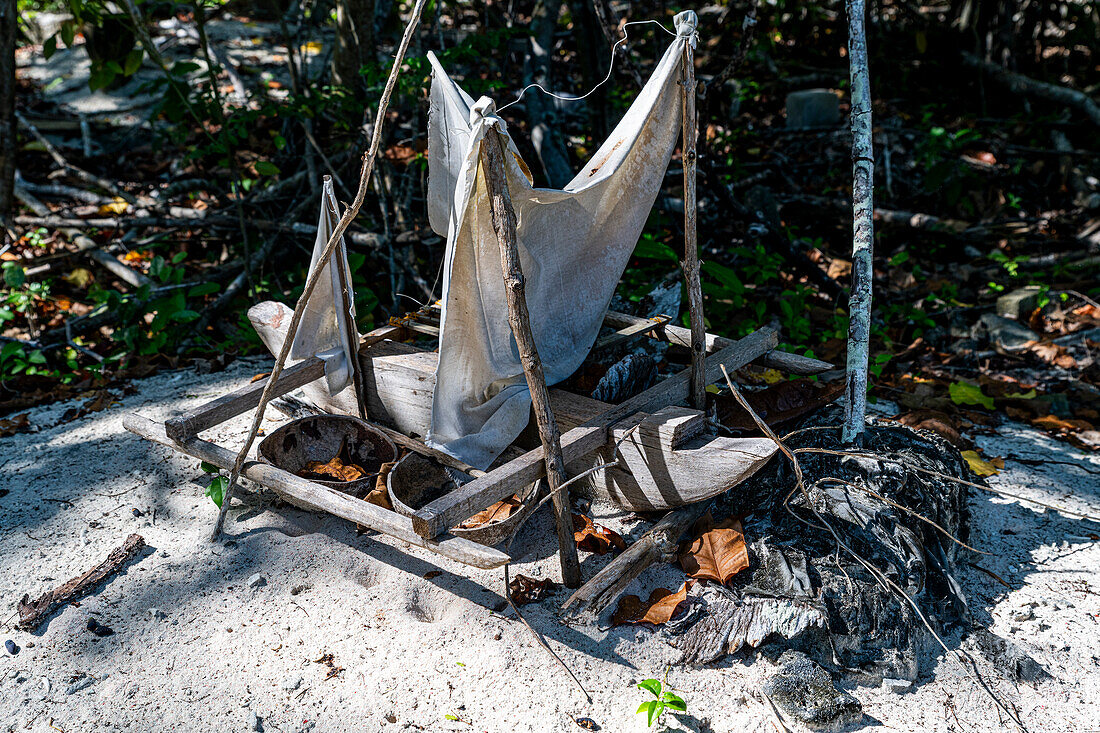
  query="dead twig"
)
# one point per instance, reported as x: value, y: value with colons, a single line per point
x: 32, y: 613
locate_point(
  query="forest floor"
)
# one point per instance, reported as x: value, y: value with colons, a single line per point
x: 200, y: 643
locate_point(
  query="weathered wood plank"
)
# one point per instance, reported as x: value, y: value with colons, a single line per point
x: 313, y: 496
x: 680, y: 336
x: 236, y: 403
x: 690, y: 265
x: 502, y: 482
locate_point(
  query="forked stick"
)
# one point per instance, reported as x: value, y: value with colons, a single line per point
x: 315, y: 276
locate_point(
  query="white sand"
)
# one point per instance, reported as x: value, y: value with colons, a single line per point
x: 416, y: 650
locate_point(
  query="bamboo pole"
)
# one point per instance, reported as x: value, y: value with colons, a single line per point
x: 504, y: 222
x: 863, y: 226
x: 314, y: 277
x: 690, y: 264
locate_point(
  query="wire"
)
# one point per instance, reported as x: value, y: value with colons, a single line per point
x: 610, y: 70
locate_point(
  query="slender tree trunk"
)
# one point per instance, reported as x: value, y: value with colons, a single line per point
x: 863, y: 230
x: 541, y: 115
x: 354, y: 43
x: 8, y: 18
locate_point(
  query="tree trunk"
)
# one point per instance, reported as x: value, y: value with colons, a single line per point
x: 8, y: 18
x: 863, y: 228
x: 541, y: 115
x: 354, y: 43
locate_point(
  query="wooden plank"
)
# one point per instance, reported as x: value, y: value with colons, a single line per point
x: 228, y: 406
x: 631, y: 332
x: 504, y: 224
x: 500, y: 483
x: 680, y: 336
x: 314, y: 496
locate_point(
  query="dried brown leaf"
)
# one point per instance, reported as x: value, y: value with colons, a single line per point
x: 660, y: 607
x: 528, y: 590
x: 379, y: 495
x: 13, y: 425
x: 495, y: 513
x: 592, y: 537
x: 717, y: 553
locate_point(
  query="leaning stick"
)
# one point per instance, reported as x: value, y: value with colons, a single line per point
x: 504, y: 223
x: 691, y: 240
x: 315, y: 276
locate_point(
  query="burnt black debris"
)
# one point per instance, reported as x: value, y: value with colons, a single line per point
x: 803, y: 589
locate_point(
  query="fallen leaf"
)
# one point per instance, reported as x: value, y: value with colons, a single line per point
x: 117, y: 206
x: 717, y: 553
x: 1060, y: 424
x: 839, y: 268
x: 528, y: 590
x: 312, y: 48
x: 965, y: 393
x: 935, y: 421
x: 981, y: 466
x: 258, y: 377
x: 432, y: 574
x: 379, y: 495
x: 1054, y: 354
x: 594, y: 538
x: 13, y: 425
x: 660, y: 607
x: 336, y: 469
x: 79, y: 278
x: 496, y: 513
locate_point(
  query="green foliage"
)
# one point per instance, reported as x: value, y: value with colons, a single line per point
x: 938, y: 155
x: 965, y: 393
x: 216, y: 489
x: 662, y: 700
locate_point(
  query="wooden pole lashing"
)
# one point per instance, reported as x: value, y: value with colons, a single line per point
x: 690, y: 264
x: 504, y: 223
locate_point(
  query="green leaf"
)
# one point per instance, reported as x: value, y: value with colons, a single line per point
x: 184, y: 316
x: 184, y: 67
x: 450, y: 716
x: 1029, y: 395
x: 266, y: 168
x: 216, y: 489
x: 6, y: 314
x: 965, y: 393
x: 652, y: 249
x: 10, y: 349
x: 203, y: 289
x: 101, y: 78
x: 651, y: 686
x: 133, y: 61
x: 675, y: 702
x: 209, y: 467
x: 14, y: 275
x: 68, y: 33
x: 179, y: 257
x: 49, y: 48
x: 650, y: 708
x: 37, y: 357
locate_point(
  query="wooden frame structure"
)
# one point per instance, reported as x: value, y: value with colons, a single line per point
x: 429, y: 527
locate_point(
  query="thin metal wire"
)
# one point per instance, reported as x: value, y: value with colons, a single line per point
x: 610, y: 70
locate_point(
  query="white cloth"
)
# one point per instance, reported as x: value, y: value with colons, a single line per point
x: 573, y: 245
x: 327, y: 328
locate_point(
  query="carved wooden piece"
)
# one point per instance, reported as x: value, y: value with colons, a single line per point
x: 310, y: 495
x: 502, y: 482
x: 504, y: 223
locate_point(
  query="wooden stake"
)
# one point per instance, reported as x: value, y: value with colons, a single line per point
x: 690, y: 264
x: 504, y: 222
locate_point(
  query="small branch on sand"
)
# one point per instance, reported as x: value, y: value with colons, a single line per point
x: 32, y: 613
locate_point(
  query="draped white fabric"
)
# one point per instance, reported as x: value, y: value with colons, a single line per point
x: 327, y: 328
x: 574, y: 244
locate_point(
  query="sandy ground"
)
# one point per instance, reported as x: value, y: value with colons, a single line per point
x: 433, y: 653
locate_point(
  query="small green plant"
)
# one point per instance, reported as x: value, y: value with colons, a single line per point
x: 217, y: 487
x: 662, y: 700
